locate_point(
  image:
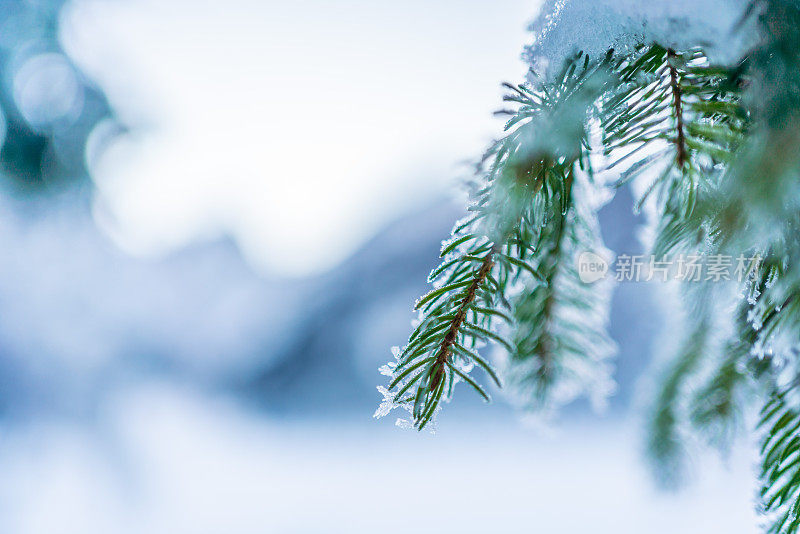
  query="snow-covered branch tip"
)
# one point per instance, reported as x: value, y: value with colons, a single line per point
x: 494, y: 252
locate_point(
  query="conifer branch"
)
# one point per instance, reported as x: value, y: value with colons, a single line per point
x: 664, y: 440
x: 695, y: 121
x: 678, y: 118
x: 780, y: 471
x: 458, y: 320
x: 561, y: 348
x: 525, y: 177
x: 714, y: 408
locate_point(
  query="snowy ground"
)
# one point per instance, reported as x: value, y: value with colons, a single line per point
x: 161, y: 459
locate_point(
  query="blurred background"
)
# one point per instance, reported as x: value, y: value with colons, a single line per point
x: 214, y: 219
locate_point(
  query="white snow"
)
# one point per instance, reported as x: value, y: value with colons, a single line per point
x: 165, y: 460
x: 564, y: 27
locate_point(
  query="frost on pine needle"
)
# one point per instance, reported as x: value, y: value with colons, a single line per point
x: 561, y: 350
x: 386, y: 404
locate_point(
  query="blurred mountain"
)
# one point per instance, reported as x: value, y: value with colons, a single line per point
x: 356, y: 313
x: 364, y: 307
x: 79, y: 317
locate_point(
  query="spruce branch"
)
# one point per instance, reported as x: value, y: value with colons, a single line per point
x: 665, y: 443
x: 677, y: 118
x: 691, y: 122
x: 773, y: 319
x: 525, y: 179
x: 561, y: 347
x: 762, y: 185
x: 716, y: 405
x: 780, y: 464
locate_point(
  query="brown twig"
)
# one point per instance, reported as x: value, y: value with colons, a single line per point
x: 680, y: 140
x: 461, y: 314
